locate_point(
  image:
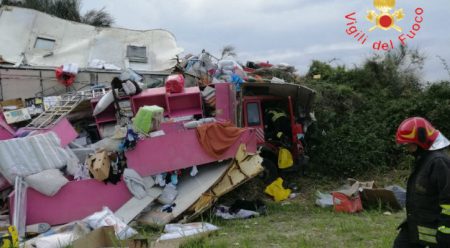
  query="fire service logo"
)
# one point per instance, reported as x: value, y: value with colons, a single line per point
x: 385, y: 18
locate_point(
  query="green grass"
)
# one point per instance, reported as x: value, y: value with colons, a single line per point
x: 299, y: 223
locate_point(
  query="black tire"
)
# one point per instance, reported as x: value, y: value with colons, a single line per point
x: 270, y: 172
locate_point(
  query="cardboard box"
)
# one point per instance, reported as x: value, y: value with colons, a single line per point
x: 12, y: 104
x: 372, y: 195
x: 377, y: 196
x: 105, y: 237
x: 99, y: 165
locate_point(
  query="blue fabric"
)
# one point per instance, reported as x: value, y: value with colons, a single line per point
x: 237, y: 81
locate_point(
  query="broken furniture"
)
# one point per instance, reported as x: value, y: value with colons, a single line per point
x: 107, y: 116
x: 187, y: 103
x: 179, y: 148
x: 52, y: 115
x: 74, y: 201
x: 6, y: 132
x: 62, y: 128
x: 31, y: 154
x: 197, y: 194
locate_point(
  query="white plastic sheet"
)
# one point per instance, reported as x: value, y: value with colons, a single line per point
x: 174, y: 231
x: 107, y: 218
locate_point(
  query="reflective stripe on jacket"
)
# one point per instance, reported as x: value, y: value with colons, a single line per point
x: 428, y: 198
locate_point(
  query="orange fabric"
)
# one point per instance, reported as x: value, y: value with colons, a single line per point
x: 216, y: 138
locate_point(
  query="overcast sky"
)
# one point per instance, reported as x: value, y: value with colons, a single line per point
x: 286, y: 31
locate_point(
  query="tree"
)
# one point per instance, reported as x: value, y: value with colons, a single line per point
x: 98, y: 18
x: 66, y: 9
x: 358, y: 111
x: 228, y: 51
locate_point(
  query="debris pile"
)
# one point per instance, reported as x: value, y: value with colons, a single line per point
x: 145, y: 155
x: 355, y: 196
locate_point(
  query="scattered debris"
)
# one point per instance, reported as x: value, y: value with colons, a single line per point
x: 324, y: 199
x: 151, y: 147
x: 351, y: 197
x: 277, y: 190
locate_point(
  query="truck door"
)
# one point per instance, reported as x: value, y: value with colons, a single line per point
x: 253, y: 118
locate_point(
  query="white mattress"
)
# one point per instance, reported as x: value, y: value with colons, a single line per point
x: 30, y: 155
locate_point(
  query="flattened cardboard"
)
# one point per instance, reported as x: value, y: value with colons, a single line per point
x: 102, y: 237
x: 380, y: 195
x: 134, y: 206
x: 105, y: 237
x: 355, y: 187
x: 12, y: 104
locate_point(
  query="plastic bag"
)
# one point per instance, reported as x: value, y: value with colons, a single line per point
x: 175, y: 231
x: 168, y: 195
x: 277, y: 190
x: 324, y: 200
x: 129, y: 74
x: 175, y: 83
x: 148, y: 118
x: 107, y: 218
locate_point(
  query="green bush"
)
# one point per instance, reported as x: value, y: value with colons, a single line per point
x: 358, y: 111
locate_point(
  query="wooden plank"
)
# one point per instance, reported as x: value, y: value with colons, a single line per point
x: 190, y: 189
x: 227, y: 183
x: 134, y: 206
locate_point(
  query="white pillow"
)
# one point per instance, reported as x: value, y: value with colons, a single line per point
x: 48, y: 182
x: 104, y: 102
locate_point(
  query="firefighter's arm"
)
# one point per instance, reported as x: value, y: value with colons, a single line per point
x: 441, y: 175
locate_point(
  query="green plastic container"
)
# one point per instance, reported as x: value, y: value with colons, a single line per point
x: 148, y: 118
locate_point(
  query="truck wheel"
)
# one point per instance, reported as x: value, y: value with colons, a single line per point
x: 270, y: 172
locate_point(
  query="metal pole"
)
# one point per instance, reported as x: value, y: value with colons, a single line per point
x: 42, y: 83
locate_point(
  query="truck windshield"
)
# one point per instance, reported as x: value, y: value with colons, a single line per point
x: 253, y: 116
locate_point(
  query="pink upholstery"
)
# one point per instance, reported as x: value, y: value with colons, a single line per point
x: 75, y: 200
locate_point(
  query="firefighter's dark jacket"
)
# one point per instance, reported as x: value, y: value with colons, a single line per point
x: 428, y: 199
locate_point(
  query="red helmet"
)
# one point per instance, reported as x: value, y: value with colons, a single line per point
x: 416, y: 130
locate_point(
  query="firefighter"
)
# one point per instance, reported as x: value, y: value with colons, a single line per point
x: 427, y: 222
x: 278, y: 124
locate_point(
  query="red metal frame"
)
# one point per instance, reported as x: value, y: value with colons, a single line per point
x: 294, y: 149
x: 259, y: 99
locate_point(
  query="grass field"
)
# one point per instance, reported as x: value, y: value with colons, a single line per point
x: 299, y: 223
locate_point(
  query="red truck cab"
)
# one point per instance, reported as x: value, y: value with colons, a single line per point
x: 295, y: 101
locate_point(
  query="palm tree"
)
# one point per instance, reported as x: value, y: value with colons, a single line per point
x: 228, y: 51
x: 98, y: 18
x: 66, y: 9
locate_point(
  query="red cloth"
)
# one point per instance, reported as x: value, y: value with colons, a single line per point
x: 216, y: 138
x: 63, y: 77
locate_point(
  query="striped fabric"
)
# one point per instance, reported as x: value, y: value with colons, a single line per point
x: 259, y: 135
x: 32, y: 154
